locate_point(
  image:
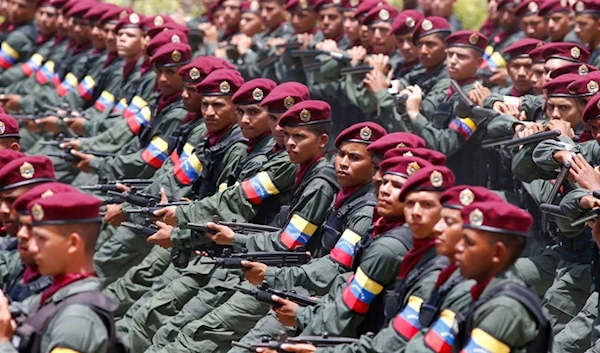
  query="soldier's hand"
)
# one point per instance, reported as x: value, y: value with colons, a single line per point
x: 224, y: 235
x: 50, y: 123
x: 589, y: 202
x: 167, y: 215
x: 379, y: 62
x: 500, y: 77
x: 375, y: 81
x: 162, y: 238
x: 11, y: 102
x: 211, y: 33
x: 584, y: 174
x: 84, y: 163
x: 32, y: 126
x: 563, y: 126
x: 413, y: 103
x: 479, y: 93
x: 8, y: 325
x: 506, y: 108
x: 77, y: 125
x: 73, y: 144
x: 563, y: 156
x: 254, y: 271
x: 285, y: 311
x: 531, y: 125
x: 357, y: 54
x: 243, y: 43
x: 328, y: 45
x: 114, y: 215
x: 305, y: 39
x: 299, y: 347
x: 122, y: 187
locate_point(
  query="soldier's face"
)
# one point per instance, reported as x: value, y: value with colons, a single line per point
x: 61, y: 23
x: 537, y: 77
x: 81, y: 30
x: 218, y: 112
x: 9, y: 215
x: 231, y: 13
x: 566, y: 109
x: 51, y: 250
x: 587, y: 28
x: 407, y: 48
x: 110, y: 37
x: 520, y: 71
x: 377, y: 179
x: 551, y: 65
x: 192, y: 99
x: 130, y: 43
x: 272, y: 13
x: 331, y: 22
x: 365, y: 37
x: 276, y: 130
x: 301, y: 144
x: 448, y: 231
x: 442, y: 8
x: 534, y: 26
x: 23, y: 237
x: 253, y: 120
x: 351, y: 26
x: 304, y: 21
x: 381, y: 38
x: 353, y: 165
x: 388, y: 197
x: 508, y: 21
x: 559, y: 24
x: 21, y: 10
x: 462, y: 63
x: 426, y: 6
x: 251, y: 24
x: 594, y: 128
x: 46, y: 19
x: 98, y: 36
x: 422, y: 212
x: 476, y: 254
x: 432, y: 51
x: 168, y: 79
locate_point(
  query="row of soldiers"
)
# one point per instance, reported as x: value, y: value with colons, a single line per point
x: 208, y: 144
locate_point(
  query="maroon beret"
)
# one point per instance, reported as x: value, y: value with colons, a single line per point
x: 433, y: 157
x: 81, y: 7
x: 200, y: 67
x: 300, y: 5
x: 68, y: 6
x: 467, y: 39
x: 309, y: 112
x: 567, y: 51
x: 580, y: 69
x: 25, y: 171
x: 528, y: 8
x: 460, y: 196
x: 431, y: 25
x: 536, y: 55
x: 395, y: 140
x: 98, y: 12
x: 222, y: 82
x: 155, y: 21
x: 557, y: 87
x: 284, y: 96
x: 154, y: 31
x: 9, y: 127
x: 253, y: 91
x: 59, y: 3
x: 522, y: 47
x: 350, y: 5
x: 254, y: 6
x: 129, y: 19
x: 367, y: 133
x: 39, y: 191
x: 383, y: 13
x: 172, y: 54
x: 586, y: 6
x: 497, y: 217
x: 433, y: 178
x: 403, y: 166
x: 365, y: 6
x: 552, y: 6
x: 65, y: 208
x: 585, y: 86
x: 592, y: 109
x: 406, y: 22
x: 325, y: 4
x: 8, y: 155
x: 507, y: 3
x: 164, y: 38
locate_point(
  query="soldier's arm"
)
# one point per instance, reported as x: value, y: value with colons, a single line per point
x: 543, y: 154
x: 308, y: 214
x: 447, y: 141
x: 111, y: 140
x: 10, y: 266
x: 14, y: 49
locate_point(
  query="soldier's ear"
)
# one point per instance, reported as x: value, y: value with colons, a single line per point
x: 15, y: 146
x: 500, y: 253
x: 323, y: 139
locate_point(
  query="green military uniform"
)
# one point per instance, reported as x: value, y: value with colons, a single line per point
x: 75, y: 98
x: 17, y: 45
x: 20, y: 72
x: 10, y: 266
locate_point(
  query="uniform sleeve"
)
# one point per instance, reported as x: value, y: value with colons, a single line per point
x: 308, y: 214
x: 448, y: 141
x: 111, y: 140
x: 363, y: 99
x: 10, y: 265
x: 543, y: 154
x: 318, y: 275
x: 75, y: 329
x: 386, y: 110
x: 14, y: 49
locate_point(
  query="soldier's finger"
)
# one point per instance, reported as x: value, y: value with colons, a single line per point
x: 248, y: 264
x: 161, y: 212
x: 160, y: 224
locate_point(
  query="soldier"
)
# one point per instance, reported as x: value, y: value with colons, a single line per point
x: 351, y: 23
x: 532, y: 23
x: 520, y: 66
x: 9, y: 132
x: 402, y: 28
x: 64, y: 228
x: 494, y: 236
x: 559, y: 18
x: 18, y: 43
x: 587, y: 14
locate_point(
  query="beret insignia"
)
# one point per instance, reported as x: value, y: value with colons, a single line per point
x: 37, y: 212
x: 466, y: 197
x: 224, y: 87
x: 436, y: 179
x: 476, y: 217
x: 27, y: 171
x: 305, y: 115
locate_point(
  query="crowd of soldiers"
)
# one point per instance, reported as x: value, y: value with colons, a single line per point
x: 300, y: 175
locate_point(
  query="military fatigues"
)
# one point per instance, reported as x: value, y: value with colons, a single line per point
x: 17, y: 45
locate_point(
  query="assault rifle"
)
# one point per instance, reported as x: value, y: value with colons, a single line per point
x: 318, y: 341
x: 275, y: 258
x: 112, y: 185
x: 146, y: 229
x: 264, y: 294
x: 513, y: 142
x: 67, y: 156
x: 149, y: 211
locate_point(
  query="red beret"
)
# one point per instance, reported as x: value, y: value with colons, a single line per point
x: 433, y: 157
x: 254, y: 6
x: 365, y: 6
x: 536, y: 55
x: 25, y: 171
x: 307, y: 112
x: 200, y: 67
x: 164, y: 38
x: 65, y: 208
x: 395, y: 140
x: 284, y: 96
x: 9, y: 127
x: 585, y: 86
x: 350, y: 5
x: 129, y: 19
x: 460, y: 196
x: 528, y: 8
x: 586, y: 6
x: 59, y: 3
x: 383, y: 13
x: 431, y: 25
x: 81, y: 7
x: 39, y: 191
x: 98, y: 12
x: 253, y: 91
x: 497, y: 217
x: 8, y: 155
x: 552, y: 6
x: 155, y: 21
x: 507, y: 3
x: 403, y: 166
x: 592, y: 109
x: 366, y: 133
x: 172, y: 54
x: 467, y: 39
x: 522, y: 47
x: 557, y: 87
x: 433, y: 178
x: 567, y: 51
x: 406, y: 22
x: 324, y: 4
x: 300, y: 5
x: 154, y: 31
x: 222, y: 82
x: 580, y: 69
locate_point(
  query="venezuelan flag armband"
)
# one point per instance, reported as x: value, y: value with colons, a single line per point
x: 258, y: 188
x: 483, y: 342
x: 297, y: 233
x: 360, y: 292
x: 406, y: 323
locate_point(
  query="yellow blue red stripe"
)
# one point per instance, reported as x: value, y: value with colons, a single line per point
x: 8, y: 56
x: 68, y: 84
x: 483, y: 342
x: 360, y: 292
x: 121, y: 106
x: 189, y: 170
x: 45, y: 73
x: 344, y: 249
x: 297, y: 233
x: 259, y: 187
x: 465, y: 127
x: 406, y: 323
x: 440, y: 337
x: 86, y: 87
x: 141, y: 118
x: 32, y: 65
x: 492, y: 59
x: 105, y: 101
x: 156, y: 152
x: 134, y: 106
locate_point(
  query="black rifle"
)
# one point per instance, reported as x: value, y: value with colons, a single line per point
x: 112, y: 185
x: 512, y: 142
x: 596, y: 194
x: 588, y: 216
x: 238, y: 227
x: 145, y: 230
x: 553, y: 210
x: 263, y: 294
x: 181, y: 257
x: 560, y: 179
x: 150, y: 210
x: 475, y: 111
x: 356, y: 70
x: 317, y: 341
x: 67, y: 156
x: 275, y: 258
x: 314, y: 52
x: 138, y: 199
